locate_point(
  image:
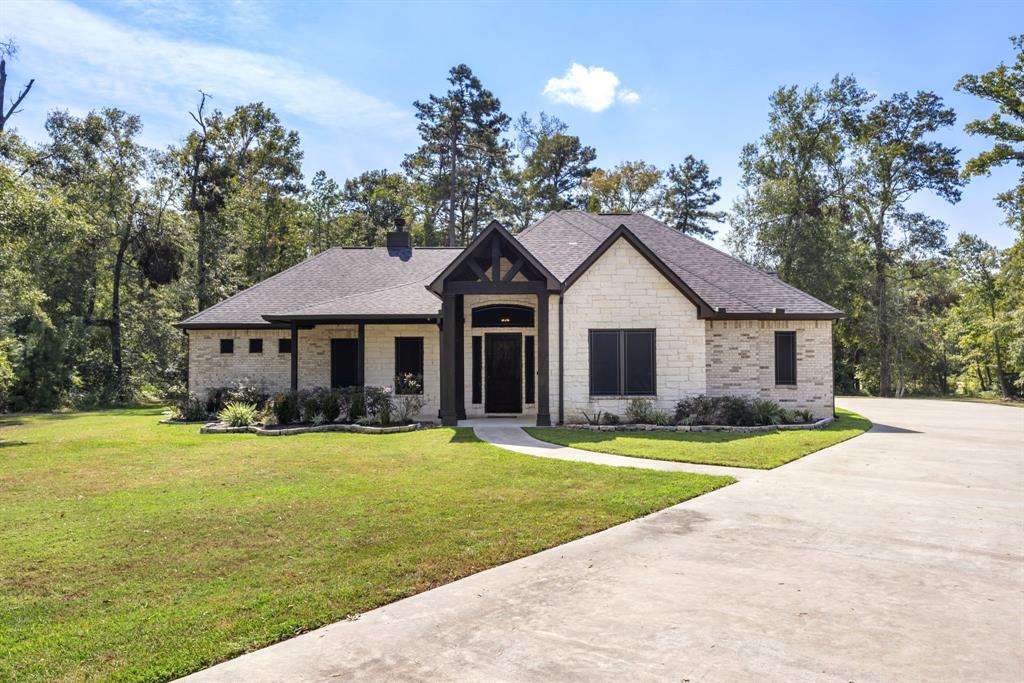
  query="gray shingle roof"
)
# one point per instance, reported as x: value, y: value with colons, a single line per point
x: 343, y: 281
x: 380, y: 282
x: 564, y: 239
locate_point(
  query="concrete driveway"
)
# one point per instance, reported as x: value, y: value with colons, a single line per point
x: 898, y: 555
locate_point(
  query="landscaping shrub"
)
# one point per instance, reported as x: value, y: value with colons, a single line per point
x: 190, y: 408
x: 286, y: 408
x: 638, y: 411
x: 659, y: 417
x: 594, y: 419
x: 239, y: 392
x: 355, y: 403
x: 238, y: 414
x: 804, y: 416
x: 330, y: 405
x: 378, y: 404
x: 410, y: 398
x: 768, y: 412
x: 610, y: 419
x: 734, y: 411
x: 310, y: 404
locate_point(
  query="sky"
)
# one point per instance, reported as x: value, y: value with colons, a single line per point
x: 651, y: 81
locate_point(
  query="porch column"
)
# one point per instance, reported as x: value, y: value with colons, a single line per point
x: 449, y: 322
x: 543, y: 409
x: 460, y: 359
x: 295, y: 357
x: 361, y: 355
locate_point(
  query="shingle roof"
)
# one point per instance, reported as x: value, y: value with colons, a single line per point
x: 342, y: 281
x: 564, y: 239
x: 381, y: 282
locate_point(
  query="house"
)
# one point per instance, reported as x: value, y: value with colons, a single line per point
x: 578, y: 313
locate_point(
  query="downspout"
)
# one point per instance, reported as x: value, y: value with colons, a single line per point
x: 561, y: 359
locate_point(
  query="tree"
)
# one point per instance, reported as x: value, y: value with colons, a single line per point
x: 325, y: 200
x: 894, y: 159
x: 1004, y: 85
x: 688, y: 197
x: 372, y: 201
x: 462, y: 153
x: 979, y: 264
x: 9, y: 49
x: 630, y: 187
x: 555, y: 164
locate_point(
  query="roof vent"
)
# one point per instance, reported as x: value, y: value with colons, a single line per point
x: 772, y: 273
x: 778, y: 311
x: 399, y: 238
x: 720, y: 309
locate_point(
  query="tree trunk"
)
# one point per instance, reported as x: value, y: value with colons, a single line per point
x: 452, y: 184
x: 1004, y: 383
x: 202, y: 286
x: 115, y: 316
x: 882, y: 304
x: 981, y: 377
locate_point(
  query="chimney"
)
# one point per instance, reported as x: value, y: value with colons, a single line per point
x: 399, y: 238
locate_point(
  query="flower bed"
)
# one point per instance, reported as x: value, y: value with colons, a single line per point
x: 262, y: 430
x: 824, y: 422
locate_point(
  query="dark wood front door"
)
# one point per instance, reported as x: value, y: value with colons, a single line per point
x: 344, y: 362
x: 503, y: 390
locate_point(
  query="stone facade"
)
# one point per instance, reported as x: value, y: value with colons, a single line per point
x: 623, y: 290
x: 741, y: 362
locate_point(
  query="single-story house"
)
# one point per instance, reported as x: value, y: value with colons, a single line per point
x: 580, y: 312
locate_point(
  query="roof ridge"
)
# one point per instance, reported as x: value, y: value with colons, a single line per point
x: 254, y: 286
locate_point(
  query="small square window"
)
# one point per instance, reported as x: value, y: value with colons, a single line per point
x: 255, y: 346
x: 284, y: 345
x: 227, y: 345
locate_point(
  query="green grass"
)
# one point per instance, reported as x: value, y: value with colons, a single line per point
x: 138, y: 551
x: 760, y: 451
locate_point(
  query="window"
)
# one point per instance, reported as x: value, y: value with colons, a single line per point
x: 785, y: 357
x: 227, y: 345
x: 409, y: 360
x: 284, y: 345
x: 622, y: 363
x: 501, y: 315
x: 530, y: 372
x: 255, y: 346
x: 478, y: 369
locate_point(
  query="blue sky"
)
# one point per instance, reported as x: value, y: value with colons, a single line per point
x: 655, y: 81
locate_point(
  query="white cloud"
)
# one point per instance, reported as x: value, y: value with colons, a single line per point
x: 593, y: 88
x: 89, y: 57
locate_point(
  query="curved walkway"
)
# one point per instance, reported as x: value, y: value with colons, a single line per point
x: 894, y: 556
x: 518, y: 440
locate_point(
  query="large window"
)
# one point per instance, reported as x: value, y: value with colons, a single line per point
x: 785, y: 357
x: 255, y: 346
x: 408, y: 361
x: 227, y: 345
x: 622, y: 363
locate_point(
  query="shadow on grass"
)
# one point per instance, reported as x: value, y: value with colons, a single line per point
x: 463, y: 435
x: 9, y: 444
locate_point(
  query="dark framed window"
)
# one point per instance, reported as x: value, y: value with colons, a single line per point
x: 503, y: 315
x: 409, y: 359
x: 284, y: 345
x: 623, y: 363
x: 227, y: 345
x: 478, y: 369
x: 529, y: 370
x: 785, y: 357
x: 255, y: 346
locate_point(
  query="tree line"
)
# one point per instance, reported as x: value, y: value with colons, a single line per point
x: 105, y: 244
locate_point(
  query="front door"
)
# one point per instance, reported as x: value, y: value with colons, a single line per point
x: 503, y: 389
x: 344, y: 358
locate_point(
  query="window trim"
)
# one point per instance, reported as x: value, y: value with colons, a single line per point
x: 790, y: 334
x: 398, y: 341
x: 227, y: 346
x: 257, y: 341
x: 622, y: 369
x: 478, y: 370
x: 529, y: 370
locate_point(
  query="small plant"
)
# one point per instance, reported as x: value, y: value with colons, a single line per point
x: 309, y: 405
x: 659, y: 417
x: 767, y: 412
x: 638, y: 411
x: 189, y: 408
x: 378, y: 404
x: 408, y: 406
x: 408, y: 383
x: 594, y: 419
x: 804, y: 416
x: 286, y: 408
x: 238, y: 414
x: 330, y: 405
x: 610, y: 419
x: 356, y: 403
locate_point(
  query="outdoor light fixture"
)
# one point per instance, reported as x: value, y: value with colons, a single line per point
x: 506, y: 321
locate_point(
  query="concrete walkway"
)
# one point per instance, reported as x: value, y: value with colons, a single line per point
x: 516, y: 439
x: 896, y: 556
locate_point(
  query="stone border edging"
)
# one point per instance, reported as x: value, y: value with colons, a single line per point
x: 824, y: 422
x: 219, y: 428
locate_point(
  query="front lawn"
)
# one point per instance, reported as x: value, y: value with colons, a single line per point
x: 760, y: 451
x: 138, y: 551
